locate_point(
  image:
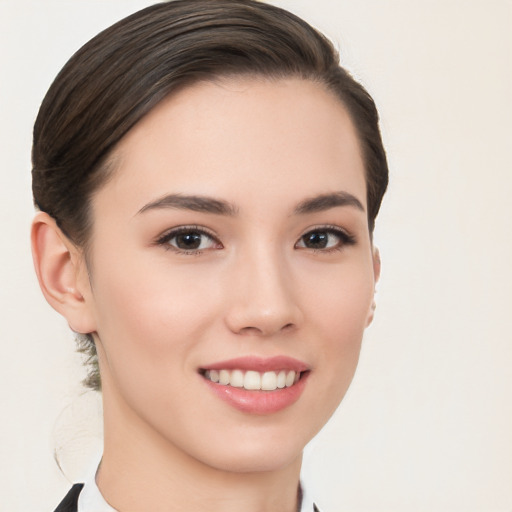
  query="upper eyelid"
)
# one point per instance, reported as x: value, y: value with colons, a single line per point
x: 326, y: 227
x: 346, y: 237
x: 171, y: 232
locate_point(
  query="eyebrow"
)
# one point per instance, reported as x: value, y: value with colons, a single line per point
x: 327, y: 201
x: 193, y: 203
x: 220, y: 207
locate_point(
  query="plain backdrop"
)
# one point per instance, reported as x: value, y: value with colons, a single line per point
x: 427, y: 423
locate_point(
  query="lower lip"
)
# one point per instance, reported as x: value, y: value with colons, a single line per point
x: 259, y: 402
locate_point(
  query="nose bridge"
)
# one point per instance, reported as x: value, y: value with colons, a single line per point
x: 264, y: 301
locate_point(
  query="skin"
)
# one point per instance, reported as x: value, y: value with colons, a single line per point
x: 255, y: 288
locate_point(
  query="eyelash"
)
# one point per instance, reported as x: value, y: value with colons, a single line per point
x: 173, y: 233
x: 344, y: 239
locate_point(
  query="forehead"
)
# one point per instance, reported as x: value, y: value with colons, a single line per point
x: 243, y: 133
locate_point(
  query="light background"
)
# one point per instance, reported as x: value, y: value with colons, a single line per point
x: 427, y: 424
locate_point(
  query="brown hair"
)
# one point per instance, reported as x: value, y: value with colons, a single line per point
x: 126, y: 70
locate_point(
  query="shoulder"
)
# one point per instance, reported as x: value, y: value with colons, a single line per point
x: 69, y: 503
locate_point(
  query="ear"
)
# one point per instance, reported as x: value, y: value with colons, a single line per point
x: 62, y: 273
x: 376, y: 276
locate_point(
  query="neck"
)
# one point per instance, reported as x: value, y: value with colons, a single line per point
x: 141, y: 470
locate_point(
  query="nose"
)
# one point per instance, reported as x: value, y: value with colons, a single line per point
x: 262, y: 297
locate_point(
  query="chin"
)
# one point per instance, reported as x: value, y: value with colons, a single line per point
x: 247, y: 461
x: 254, y: 452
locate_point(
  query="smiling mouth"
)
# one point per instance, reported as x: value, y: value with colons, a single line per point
x: 252, y: 380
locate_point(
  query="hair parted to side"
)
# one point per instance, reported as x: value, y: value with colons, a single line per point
x: 115, y: 79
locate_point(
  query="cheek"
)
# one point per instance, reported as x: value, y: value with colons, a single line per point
x: 339, y: 299
x: 149, y: 327
x: 339, y: 311
x: 150, y: 322
x: 145, y: 296
x: 348, y: 309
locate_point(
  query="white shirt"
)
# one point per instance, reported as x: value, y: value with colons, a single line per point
x: 91, y: 499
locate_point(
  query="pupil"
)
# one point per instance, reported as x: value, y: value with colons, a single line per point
x: 316, y: 240
x: 188, y: 240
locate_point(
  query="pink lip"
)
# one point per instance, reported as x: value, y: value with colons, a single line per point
x: 259, y: 402
x: 260, y: 364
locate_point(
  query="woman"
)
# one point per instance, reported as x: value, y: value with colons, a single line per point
x: 207, y: 179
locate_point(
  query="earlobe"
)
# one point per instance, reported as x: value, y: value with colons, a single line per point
x: 61, y: 273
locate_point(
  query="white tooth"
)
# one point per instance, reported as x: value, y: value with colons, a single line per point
x: 269, y: 381
x: 297, y: 377
x: 281, y: 379
x: 237, y: 379
x: 224, y: 377
x: 290, y: 378
x: 252, y: 380
x: 213, y: 375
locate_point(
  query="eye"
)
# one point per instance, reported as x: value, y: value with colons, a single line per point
x: 189, y: 240
x: 325, y: 239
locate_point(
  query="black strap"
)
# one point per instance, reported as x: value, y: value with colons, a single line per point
x: 70, y: 501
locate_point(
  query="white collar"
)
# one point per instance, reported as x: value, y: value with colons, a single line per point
x: 91, y: 499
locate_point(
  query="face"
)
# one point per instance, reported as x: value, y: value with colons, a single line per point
x: 232, y: 272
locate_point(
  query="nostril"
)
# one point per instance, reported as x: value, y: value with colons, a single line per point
x: 262, y: 331
x: 263, y: 318
x: 251, y: 330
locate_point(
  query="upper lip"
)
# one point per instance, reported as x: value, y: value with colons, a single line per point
x: 259, y: 364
